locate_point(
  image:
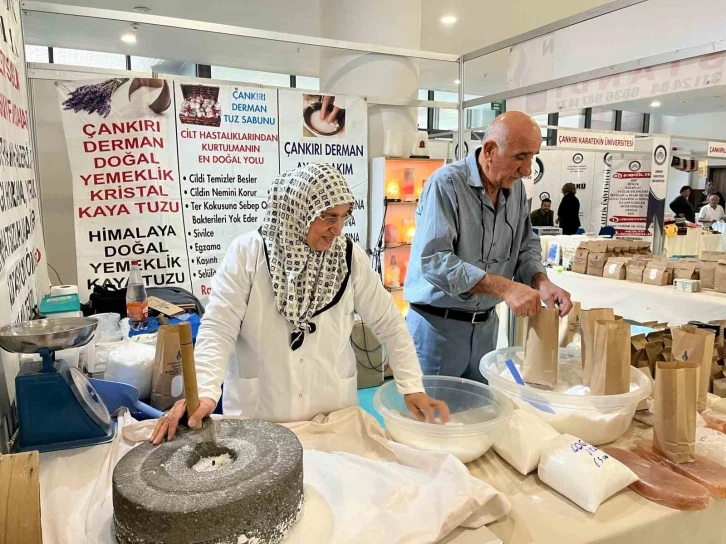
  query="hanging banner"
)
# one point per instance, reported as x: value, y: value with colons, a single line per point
x: 659, y: 182
x: 595, y: 141
x: 601, y: 191
x: 228, y: 157
x: 717, y: 150
x: 628, y: 198
x: 122, y: 150
x: 23, y: 267
x: 673, y: 77
x: 334, y: 130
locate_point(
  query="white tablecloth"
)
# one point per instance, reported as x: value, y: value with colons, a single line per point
x: 641, y: 302
x: 694, y: 242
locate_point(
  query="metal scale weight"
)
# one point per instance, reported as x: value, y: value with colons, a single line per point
x: 58, y: 407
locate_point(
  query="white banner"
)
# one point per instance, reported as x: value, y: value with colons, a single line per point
x: 344, y: 144
x: 170, y: 173
x: 717, y: 150
x: 595, y: 141
x: 601, y: 191
x: 228, y: 157
x: 552, y: 168
x: 23, y: 266
x: 655, y: 215
x: 122, y: 150
x: 628, y: 198
x: 674, y: 77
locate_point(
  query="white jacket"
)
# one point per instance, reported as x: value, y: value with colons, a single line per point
x: 267, y: 379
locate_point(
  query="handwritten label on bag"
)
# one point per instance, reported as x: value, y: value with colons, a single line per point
x: 611, y: 269
x: 598, y: 456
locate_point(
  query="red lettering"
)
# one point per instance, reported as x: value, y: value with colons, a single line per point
x: 712, y: 61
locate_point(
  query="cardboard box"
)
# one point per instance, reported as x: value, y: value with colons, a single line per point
x: 687, y: 286
x: 656, y: 273
x: 579, y: 265
x: 615, y: 268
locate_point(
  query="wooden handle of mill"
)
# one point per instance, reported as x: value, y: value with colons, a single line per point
x: 189, y: 371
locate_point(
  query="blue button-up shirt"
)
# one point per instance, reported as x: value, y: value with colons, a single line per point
x: 461, y: 236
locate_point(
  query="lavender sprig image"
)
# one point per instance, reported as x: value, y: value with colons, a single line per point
x: 94, y: 98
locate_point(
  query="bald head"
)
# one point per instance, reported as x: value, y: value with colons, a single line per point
x: 511, y: 141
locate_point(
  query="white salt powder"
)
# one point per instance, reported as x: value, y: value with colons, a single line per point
x: 208, y: 464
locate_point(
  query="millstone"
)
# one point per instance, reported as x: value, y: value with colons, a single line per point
x: 159, y: 498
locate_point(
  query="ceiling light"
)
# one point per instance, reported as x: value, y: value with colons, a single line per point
x: 448, y: 19
x: 457, y: 81
x: 129, y: 37
x: 655, y: 104
x: 142, y: 9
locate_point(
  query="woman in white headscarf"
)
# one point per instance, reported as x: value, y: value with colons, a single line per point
x: 283, y: 302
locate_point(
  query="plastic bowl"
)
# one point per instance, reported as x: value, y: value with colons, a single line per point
x: 477, y: 414
x: 596, y: 419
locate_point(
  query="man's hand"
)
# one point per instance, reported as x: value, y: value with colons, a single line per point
x: 553, y: 295
x: 423, y: 407
x: 522, y: 300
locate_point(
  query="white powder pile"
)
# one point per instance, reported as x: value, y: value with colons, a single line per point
x: 321, y: 125
x: 591, y: 424
x: 209, y: 464
x: 465, y: 448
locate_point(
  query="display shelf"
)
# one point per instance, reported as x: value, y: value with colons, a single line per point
x: 397, y: 246
x: 393, y: 289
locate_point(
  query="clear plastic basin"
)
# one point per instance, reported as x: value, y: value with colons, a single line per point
x: 477, y: 414
x: 596, y: 419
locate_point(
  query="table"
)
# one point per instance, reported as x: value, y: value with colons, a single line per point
x: 694, y: 243
x: 541, y: 515
x: 641, y: 302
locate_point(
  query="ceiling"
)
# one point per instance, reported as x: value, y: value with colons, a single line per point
x: 480, y: 22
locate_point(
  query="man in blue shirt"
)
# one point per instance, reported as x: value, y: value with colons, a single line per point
x: 474, y: 247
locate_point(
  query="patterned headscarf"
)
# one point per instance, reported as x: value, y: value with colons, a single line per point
x: 304, y: 281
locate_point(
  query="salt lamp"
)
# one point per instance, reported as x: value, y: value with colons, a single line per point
x: 391, y: 235
x: 393, y: 189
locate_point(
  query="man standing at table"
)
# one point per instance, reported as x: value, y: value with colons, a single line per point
x: 474, y: 247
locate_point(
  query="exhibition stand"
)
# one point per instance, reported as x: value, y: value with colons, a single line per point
x: 172, y: 170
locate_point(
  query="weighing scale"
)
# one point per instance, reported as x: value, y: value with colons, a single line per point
x: 58, y: 408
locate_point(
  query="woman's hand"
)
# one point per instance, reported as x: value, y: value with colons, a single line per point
x: 167, y: 424
x: 423, y: 407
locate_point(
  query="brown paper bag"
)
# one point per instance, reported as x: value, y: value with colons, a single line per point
x: 707, y: 267
x: 674, y: 433
x: 652, y: 352
x: 596, y: 263
x: 656, y: 273
x: 691, y: 344
x: 614, y: 269
x: 686, y: 270
x: 719, y: 281
x: 637, y: 348
x: 167, y: 384
x: 634, y: 271
x: 579, y: 265
x: 611, y: 364
x: 541, y: 349
x: 587, y: 320
x: 666, y: 356
x: 570, y: 326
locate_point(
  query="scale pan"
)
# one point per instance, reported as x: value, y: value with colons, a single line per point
x: 52, y: 334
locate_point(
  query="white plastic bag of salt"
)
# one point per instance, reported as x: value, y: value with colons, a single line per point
x: 581, y: 472
x: 521, y: 441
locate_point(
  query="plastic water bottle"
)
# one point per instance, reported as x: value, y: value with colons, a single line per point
x: 137, y: 304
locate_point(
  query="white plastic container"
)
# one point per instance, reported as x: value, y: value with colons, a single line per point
x: 478, y: 413
x: 570, y: 409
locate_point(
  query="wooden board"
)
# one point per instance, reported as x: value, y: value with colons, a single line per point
x: 20, y: 499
